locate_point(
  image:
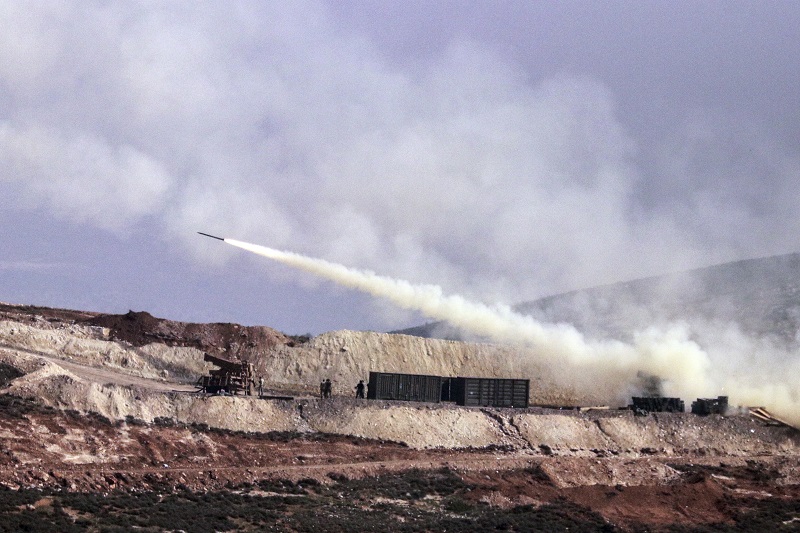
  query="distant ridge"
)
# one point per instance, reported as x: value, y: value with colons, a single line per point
x: 760, y: 296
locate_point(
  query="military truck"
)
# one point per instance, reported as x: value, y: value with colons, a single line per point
x: 232, y: 377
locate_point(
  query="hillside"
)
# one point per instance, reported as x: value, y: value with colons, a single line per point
x: 760, y: 297
x: 95, y: 404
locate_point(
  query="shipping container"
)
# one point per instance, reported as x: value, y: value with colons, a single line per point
x: 406, y: 387
x: 490, y: 392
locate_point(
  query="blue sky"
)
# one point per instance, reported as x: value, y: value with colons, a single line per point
x: 502, y: 150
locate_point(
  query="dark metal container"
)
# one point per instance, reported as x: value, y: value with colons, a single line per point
x: 407, y: 387
x: 710, y: 406
x: 490, y: 392
x: 658, y: 404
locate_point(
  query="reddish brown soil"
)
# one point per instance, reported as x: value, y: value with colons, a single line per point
x: 41, y: 448
x: 141, y: 328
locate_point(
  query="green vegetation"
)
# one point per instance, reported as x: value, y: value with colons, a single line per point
x: 16, y: 407
x: 8, y: 374
x: 416, y: 500
x: 412, y: 501
x: 297, y: 340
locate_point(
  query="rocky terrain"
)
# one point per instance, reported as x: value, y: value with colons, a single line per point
x: 100, y: 420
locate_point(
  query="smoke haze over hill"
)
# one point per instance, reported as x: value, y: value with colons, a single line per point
x: 750, y: 371
x: 504, y: 152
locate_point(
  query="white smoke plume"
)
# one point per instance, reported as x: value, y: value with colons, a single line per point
x: 611, y: 367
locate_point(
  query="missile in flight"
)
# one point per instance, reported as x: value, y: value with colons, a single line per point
x: 212, y: 236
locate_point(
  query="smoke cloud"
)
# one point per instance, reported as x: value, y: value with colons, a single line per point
x: 502, y: 159
x: 684, y: 368
x: 509, y: 176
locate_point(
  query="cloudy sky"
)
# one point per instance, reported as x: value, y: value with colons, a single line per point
x: 505, y: 150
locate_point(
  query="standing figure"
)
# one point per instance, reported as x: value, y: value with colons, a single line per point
x: 360, y: 389
x: 328, y: 388
x: 261, y: 386
x: 322, y: 389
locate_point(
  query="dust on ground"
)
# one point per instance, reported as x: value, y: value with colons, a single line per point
x: 103, y: 404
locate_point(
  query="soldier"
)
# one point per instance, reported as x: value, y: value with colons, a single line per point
x: 360, y: 389
x: 322, y: 389
x: 328, y: 388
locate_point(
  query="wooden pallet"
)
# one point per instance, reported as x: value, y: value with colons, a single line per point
x: 768, y: 418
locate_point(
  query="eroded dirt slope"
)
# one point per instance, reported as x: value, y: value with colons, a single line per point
x: 341, y: 478
x: 92, y: 404
x: 140, y: 343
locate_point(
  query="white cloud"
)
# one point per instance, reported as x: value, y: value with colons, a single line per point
x: 272, y: 124
x: 81, y: 177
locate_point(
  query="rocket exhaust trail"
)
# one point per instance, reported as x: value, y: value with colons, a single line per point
x: 670, y: 354
x: 500, y: 323
x: 559, y: 343
x: 427, y: 299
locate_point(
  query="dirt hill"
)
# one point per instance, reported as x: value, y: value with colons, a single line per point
x: 106, y: 403
x: 760, y: 297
